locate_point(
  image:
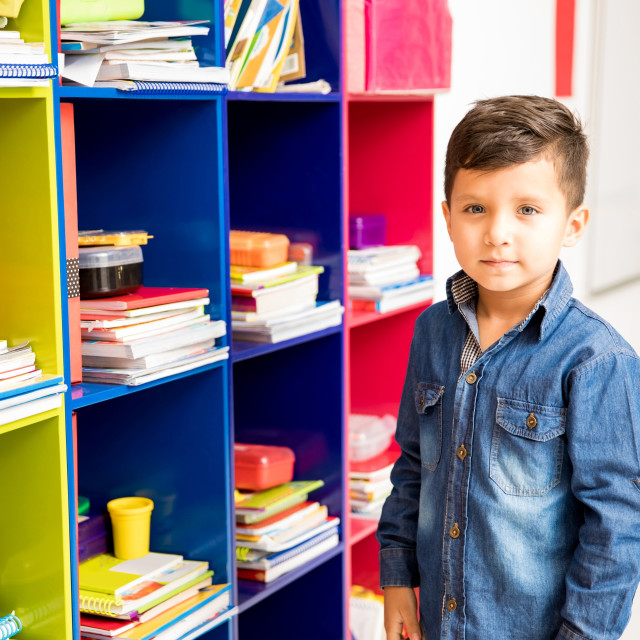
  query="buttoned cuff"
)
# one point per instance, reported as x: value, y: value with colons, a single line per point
x: 566, y: 633
x: 399, y: 568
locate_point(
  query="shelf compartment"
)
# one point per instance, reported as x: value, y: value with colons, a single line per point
x: 86, y: 394
x: 169, y: 443
x: 30, y: 420
x: 251, y: 594
x: 285, y: 177
x: 246, y: 350
x: 282, y: 96
x: 36, y: 562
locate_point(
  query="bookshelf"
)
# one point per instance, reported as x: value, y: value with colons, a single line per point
x: 188, y: 169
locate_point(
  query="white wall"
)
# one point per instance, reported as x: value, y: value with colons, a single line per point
x: 506, y: 47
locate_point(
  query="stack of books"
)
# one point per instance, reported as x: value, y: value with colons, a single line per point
x: 278, y: 530
x: 115, y: 53
x: 160, y: 596
x: 366, y: 614
x: 264, y: 43
x: 386, y: 278
x: 150, y: 334
x: 24, y: 390
x: 279, y: 303
x: 23, y: 64
x: 370, y: 484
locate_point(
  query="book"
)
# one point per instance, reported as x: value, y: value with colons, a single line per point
x: 10, y: 383
x: 133, y: 377
x: 28, y: 409
x: 23, y: 398
x: 110, y: 626
x: 141, y: 87
x: 370, y: 490
x: 111, y: 322
x: 163, y: 72
x: 374, y: 468
x: 144, y: 297
x: 381, y: 277
x: 146, y: 328
x: 273, y: 298
x: 231, y: 11
x: 29, y: 385
x: 9, y: 626
x: 262, y: 504
x: 107, y: 574
x: 241, y: 45
x: 322, y: 316
x: 366, y: 614
x: 380, y: 258
x: 242, y: 274
x: 395, y: 302
x: 301, y: 271
x: 126, y: 31
x: 145, y: 346
x: 151, y: 361
x: 385, y: 292
x: 296, y: 559
x: 282, y: 520
x: 282, y: 539
x: 181, y: 618
x: 146, y: 594
x: 18, y: 360
x: 152, y: 309
x: 19, y: 370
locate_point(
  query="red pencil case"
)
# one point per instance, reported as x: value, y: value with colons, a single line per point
x: 260, y: 467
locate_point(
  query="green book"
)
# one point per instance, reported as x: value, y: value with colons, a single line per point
x: 264, y: 504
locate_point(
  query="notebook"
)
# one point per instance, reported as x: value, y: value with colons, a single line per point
x: 145, y: 87
x: 9, y: 626
x: 107, y: 574
x: 144, y: 297
x: 147, y: 594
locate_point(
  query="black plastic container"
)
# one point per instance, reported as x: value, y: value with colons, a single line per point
x: 110, y: 271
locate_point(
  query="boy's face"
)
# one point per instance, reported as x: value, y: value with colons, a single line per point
x: 508, y: 226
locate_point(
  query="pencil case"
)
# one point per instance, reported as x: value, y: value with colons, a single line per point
x: 109, y: 271
x: 258, y: 249
x: 117, y: 238
x: 260, y: 467
x: 99, y: 10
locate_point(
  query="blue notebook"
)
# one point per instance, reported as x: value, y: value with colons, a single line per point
x: 27, y: 386
x: 145, y: 87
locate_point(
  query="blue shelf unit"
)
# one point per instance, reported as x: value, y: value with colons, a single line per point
x: 188, y: 169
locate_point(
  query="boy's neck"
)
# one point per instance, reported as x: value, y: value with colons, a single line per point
x: 499, y: 311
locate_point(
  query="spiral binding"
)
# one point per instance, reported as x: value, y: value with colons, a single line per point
x: 145, y: 88
x: 101, y: 606
x: 28, y: 70
x: 9, y: 626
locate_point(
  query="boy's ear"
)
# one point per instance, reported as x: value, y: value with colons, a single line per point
x: 447, y: 217
x: 576, y: 226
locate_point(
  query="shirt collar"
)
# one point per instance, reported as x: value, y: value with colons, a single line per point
x: 461, y: 288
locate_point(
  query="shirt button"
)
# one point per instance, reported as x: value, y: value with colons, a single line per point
x: 471, y: 378
x: 532, y: 421
x: 452, y: 605
x: 422, y: 399
x: 461, y: 452
x: 454, y: 532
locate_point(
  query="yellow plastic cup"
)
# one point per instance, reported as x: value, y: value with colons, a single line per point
x: 131, y: 523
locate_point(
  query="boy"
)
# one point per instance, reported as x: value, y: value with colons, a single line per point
x: 516, y: 500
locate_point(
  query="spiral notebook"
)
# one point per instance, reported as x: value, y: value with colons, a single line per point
x: 9, y: 626
x: 28, y: 70
x: 142, y: 87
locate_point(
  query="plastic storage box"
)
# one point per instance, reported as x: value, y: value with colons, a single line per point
x: 367, y: 230
x: 258, y: 249
x: 261, y: 467
x: 99, y: 10
x: 369, y: 435
x: 109, y: 271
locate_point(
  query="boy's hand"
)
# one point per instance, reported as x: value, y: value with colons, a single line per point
x: 400, y: 608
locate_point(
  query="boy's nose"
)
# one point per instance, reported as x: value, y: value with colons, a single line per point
x: 498, y: 230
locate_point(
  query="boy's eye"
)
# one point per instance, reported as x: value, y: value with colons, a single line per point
x: 475, y: 208
x: 527, y: 211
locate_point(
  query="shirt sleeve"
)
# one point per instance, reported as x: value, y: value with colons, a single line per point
x: 398, y: 525
x: 603, y: 439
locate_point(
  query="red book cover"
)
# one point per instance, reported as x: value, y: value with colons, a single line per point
x: 71, y: 236
x: 145, y: 297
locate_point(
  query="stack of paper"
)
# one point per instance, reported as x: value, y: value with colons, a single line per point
x: 159, y: 596
x: 279, y: 303
x: 370, y: 484
x: 110, y: 54
x: 264, y: 43
x: 386, y: 278
x: 366, y: 614
x: 24, y: 390
x: 23, y: 64
x: 150, y: 334
x: 278, y: 530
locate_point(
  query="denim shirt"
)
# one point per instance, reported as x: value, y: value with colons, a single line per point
x: 516, y: 498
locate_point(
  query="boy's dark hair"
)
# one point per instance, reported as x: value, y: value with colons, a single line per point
x: 502, y: 132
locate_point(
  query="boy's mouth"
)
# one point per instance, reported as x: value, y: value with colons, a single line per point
x: 498, y: 263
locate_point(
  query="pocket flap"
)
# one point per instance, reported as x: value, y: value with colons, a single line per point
x: 531, y: 421
x: 427, y: 395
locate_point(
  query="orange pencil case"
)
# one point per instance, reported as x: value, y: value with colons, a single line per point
x: 258, y: 249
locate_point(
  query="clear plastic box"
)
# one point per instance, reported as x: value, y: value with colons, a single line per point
x: 369, y: 435
x: 109, y: 271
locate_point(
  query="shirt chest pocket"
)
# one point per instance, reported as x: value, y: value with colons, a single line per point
x: 527, y: 447
x: 428, y: 399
